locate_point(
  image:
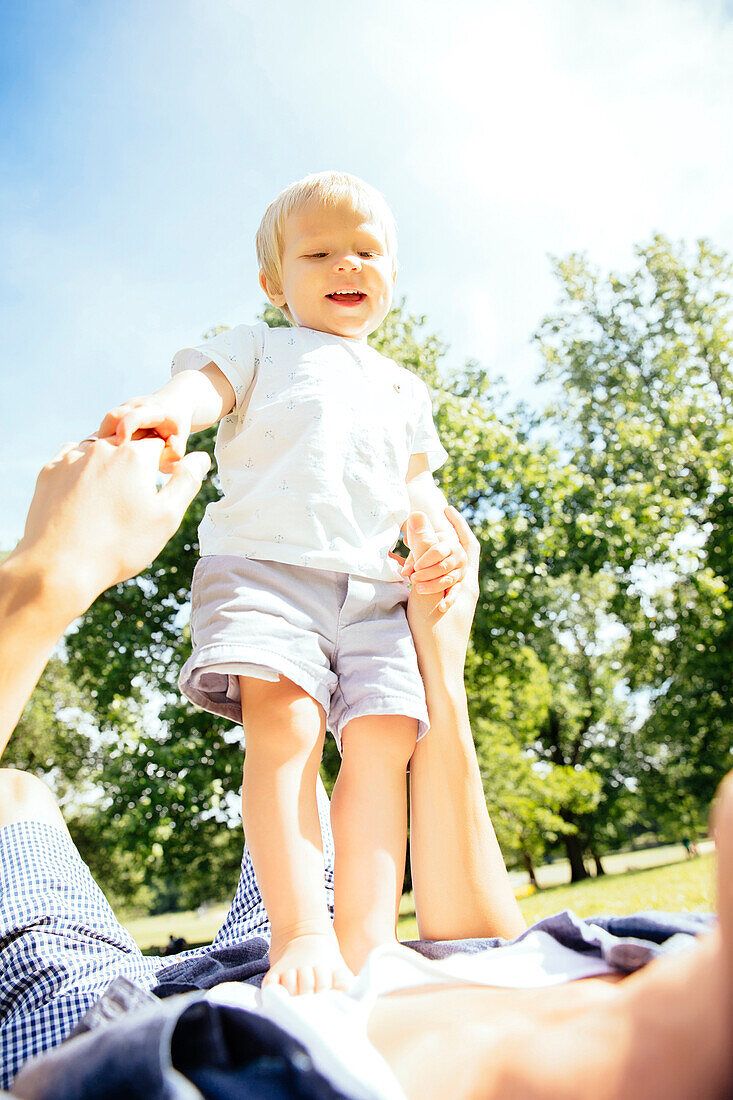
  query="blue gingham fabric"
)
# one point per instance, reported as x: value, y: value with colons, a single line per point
x: 61, y: 945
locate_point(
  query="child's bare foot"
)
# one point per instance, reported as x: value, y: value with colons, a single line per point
x: 309, y: 963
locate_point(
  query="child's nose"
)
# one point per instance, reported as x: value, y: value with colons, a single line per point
x: 348, y: 262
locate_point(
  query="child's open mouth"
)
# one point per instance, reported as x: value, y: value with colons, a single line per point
x: 347, y: 297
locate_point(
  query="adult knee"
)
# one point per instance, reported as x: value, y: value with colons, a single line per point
x: 25, y: 797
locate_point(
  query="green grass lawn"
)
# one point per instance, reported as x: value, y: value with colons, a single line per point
x: 679, y: 887
x: 676, y: 887
x: 193, y: 925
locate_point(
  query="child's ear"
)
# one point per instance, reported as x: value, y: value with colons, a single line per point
x: 273, y: 292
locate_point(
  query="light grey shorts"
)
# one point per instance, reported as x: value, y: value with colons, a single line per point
x: 343, y: 639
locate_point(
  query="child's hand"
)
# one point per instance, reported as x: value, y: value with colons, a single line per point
x: 437, y: 569
x: 146, y: 415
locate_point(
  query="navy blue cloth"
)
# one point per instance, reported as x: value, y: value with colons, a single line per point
x: 242, y: 962
x: 180, y: 1049
x: 656, y: 926
x: 652, y: 927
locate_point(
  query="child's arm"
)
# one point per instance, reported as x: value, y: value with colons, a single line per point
x: 191, y: 401
x: 443, y: 565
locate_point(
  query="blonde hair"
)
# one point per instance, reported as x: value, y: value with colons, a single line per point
x: 328, y: 189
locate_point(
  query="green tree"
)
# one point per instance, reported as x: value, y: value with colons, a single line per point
x: 605, y: 529
x: 54, y: 736
x: 643, y: 362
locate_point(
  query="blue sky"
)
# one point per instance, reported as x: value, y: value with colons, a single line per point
x: 141, y: 143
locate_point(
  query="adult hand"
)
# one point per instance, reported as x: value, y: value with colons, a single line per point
x: 435, y: 565
x: 97, y: 516
x: 441, y: 636
x: 162, y: 415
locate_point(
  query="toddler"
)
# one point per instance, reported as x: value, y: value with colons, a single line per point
x: 298, y: 610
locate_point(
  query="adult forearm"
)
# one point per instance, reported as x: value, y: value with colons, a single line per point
x: 461, y: 886
x: 34, y: 612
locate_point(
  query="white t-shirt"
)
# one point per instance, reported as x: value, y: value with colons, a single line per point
x: 313, y: 457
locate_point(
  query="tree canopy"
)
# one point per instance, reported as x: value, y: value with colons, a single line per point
x: 598, y: 675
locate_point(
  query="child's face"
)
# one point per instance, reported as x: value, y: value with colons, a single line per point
x: 337, y: 271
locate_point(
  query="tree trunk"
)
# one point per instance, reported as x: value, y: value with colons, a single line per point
x: 529, y: 868
x: 574, y: 849
x: 600, y: 869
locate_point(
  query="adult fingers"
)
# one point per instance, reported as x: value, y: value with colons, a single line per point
x: 454, y: 563
x: 434, y: 554
x: 449, y: 598
x: 175, y: 449
x: 185, y: 481
x: 440, y: 584
x: 472, y: 547
x: 63, y: 451
x: 466, y: 537
x: 176, y: 443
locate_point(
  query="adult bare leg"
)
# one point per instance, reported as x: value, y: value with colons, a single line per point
x: 369, y: 820
x: 24, y: 797
x: 662, y: 1034
x: 284, y: 731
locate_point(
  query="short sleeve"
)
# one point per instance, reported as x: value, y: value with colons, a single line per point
x: 425, y: 439
x: 236, y: 352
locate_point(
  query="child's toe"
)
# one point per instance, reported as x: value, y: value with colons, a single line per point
x: 306, y: 979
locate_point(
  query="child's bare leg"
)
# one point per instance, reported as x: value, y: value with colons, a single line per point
x: 284, y: 730
x: 369, y: 819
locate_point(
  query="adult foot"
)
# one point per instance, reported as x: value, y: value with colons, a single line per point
x: 309, y: 963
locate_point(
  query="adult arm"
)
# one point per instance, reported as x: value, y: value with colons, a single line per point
x: 96, y: 518
x: 461, y: 885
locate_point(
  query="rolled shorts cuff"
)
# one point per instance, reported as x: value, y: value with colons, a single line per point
x: 213, y: 696
x: 383, y: 706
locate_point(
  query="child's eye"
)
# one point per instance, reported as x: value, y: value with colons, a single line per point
x: 317, y: 255
x: 367, y: 255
